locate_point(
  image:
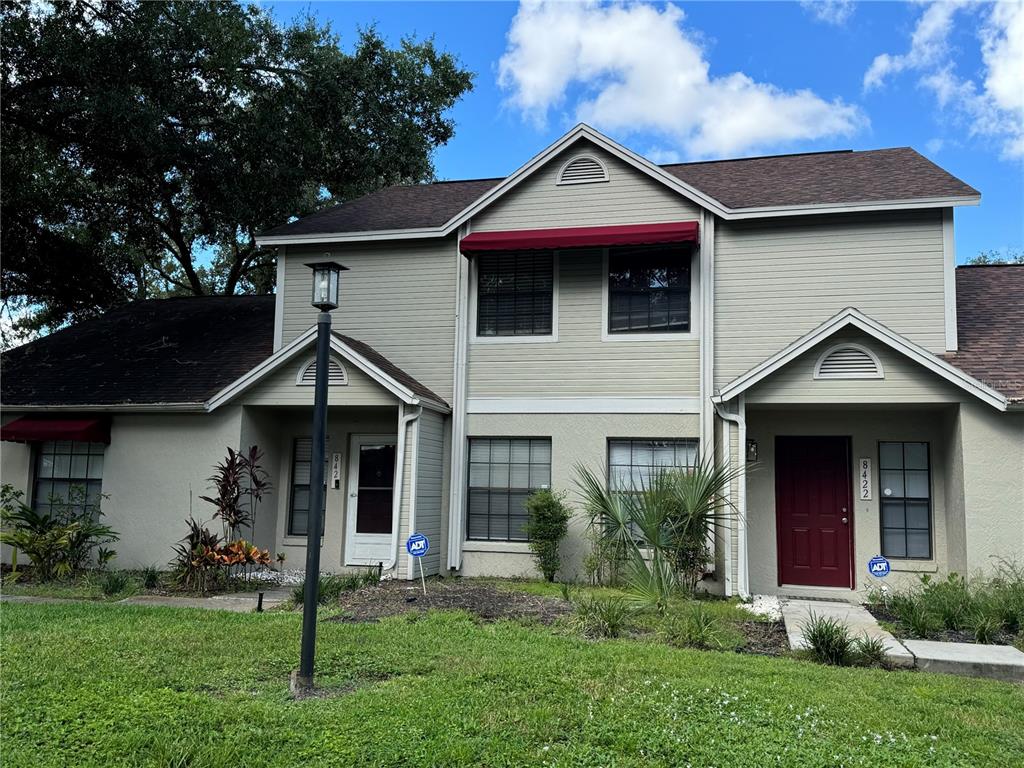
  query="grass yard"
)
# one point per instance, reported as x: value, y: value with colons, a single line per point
x: 107, y: 685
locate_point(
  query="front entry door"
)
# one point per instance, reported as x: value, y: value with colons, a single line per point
x: 371, y: 492
x: 814, y: 511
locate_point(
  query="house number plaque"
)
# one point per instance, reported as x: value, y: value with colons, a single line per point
x: 864, y: 479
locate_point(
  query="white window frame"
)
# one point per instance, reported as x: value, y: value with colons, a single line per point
x: 474, y: 286
x: 878, y: 374
x: 628, y: 338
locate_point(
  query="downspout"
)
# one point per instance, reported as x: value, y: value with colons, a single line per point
x: 739, y: 419
x: 404, y: 419
x: 458, y: 449
x: 414, y: 463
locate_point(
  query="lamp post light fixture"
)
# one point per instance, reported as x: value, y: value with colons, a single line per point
x: 326, y: 280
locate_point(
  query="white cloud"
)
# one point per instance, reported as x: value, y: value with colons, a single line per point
x: 633, y: 68
x: 836, y: 12
x: 995, y: 106
x: 934, y: 146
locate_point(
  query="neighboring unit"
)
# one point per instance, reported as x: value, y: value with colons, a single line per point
x: 799, y: 315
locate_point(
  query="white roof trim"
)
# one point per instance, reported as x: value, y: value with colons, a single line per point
x: 296, y: 347
x: 640, y: 163
x: 851, y: 317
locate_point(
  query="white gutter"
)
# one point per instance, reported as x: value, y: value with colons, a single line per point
x: 739, y: 419
x: 404, y: 419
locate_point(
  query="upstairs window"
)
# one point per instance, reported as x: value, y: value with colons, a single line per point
x: 515, y: 294
x: 649, y: 290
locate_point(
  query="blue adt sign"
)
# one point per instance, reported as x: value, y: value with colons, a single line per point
x: 417, y: 545
x: 878, y: 567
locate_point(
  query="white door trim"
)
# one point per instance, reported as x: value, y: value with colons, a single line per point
x: 367, y: 549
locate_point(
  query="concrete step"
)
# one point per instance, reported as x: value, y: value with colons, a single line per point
x: 1000, y: 662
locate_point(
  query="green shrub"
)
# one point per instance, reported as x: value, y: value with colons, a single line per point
x: 331, y: 587
x: 949, y: 600
x: 547, y: 526
x: 150, y: 577
x: 115, y: 582
x: 696, y: 627
x: 985, y: 627
x: 919, y: 619
x: 869, y: 651
x: 828, y: 640
x: 603, y: 616
x: 59, y: 541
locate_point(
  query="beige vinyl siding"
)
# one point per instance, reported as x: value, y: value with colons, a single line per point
x: 628, y: 197
x: 580, y: 363
x: 398, y: 297
x: 905, y: 381
x: 778, y: 280
x: 280, y: 388
x: 429, y: 481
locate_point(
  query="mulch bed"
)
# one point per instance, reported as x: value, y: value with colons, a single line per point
x: 489, y: 603
x: 765, y: 638
x: 944, y: 635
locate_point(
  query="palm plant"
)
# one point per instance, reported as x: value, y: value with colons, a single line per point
x: 660, y: 529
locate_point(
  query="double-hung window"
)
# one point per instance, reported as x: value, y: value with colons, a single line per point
x: 68, y: 474
x: 515, y: 294
x: 905, y: 481
x: 503, y: 472
x: 299, y: 502
x: 633, y: 463
x: 649, y: 289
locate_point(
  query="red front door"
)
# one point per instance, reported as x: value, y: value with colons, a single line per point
x: 813, y: 510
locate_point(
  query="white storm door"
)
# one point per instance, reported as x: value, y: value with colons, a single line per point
x: 371, y: 494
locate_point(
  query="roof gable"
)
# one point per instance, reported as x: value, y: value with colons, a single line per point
x: 853, y: 318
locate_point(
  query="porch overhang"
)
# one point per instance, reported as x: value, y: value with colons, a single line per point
x: 579, y: 237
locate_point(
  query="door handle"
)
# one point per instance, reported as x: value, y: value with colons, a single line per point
x: 353, y: 495
x: 846, y: 520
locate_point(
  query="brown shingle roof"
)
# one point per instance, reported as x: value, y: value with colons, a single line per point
x: 819, y: 178
x: 182, y: 350
x: 990, y: 326
x: 822, y: 178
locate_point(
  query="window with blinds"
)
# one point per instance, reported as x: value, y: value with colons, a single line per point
x: 632, y: 463
x: 298, y: 506
x: 515, y: 294
x: 649, y: 289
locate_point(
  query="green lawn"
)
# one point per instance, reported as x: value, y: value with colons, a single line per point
x: 108, y: 685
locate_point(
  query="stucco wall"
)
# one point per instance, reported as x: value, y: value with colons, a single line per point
x: 575, y: 439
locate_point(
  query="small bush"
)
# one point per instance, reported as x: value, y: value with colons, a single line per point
x: 547, y: 526
x: 869, y: 651
x: 696, y: 627
x: 828, y: 640
x: 331, y: 587
x: 150, y: 577
x: 986, y: 628
x: 949, y: 600
x: 114, y: 582
x: 603, y: 616
x: 919, y: 619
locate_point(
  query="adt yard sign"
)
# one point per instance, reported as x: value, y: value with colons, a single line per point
x: 417, y: 545
x: 878, y: 567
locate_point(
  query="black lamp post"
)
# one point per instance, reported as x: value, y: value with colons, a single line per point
x: 326, y: 279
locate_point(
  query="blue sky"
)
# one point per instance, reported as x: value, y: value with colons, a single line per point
x: 704, y: 80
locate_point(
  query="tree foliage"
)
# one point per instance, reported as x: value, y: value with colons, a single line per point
x: 145, y: 144
x: 1009, y: 256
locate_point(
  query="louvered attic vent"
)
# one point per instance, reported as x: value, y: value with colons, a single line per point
x: 848, y: 361
x: 582, y: 170
x: 335, y: 374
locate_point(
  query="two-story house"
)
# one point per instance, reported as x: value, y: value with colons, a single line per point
x: 798, y: 315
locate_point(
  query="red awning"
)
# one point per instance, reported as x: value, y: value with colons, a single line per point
x: 37, y: 429
x: 579, y: 237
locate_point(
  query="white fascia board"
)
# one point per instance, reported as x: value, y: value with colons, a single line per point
x: 350, y: 237
x: 736, y: 214
x: 508, y: 405
x: 851, y: 317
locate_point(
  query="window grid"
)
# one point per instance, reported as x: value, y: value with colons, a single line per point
x: 503, y: 472
x: 633, y: 462
x: 515, y: 294
x: 649, y: 290
x: 906, y: 516
x: 298, y: 506
x: 68, y: 472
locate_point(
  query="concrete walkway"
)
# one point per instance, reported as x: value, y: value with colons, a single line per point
x: 797, y: 613
x: 237, y: 602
